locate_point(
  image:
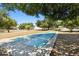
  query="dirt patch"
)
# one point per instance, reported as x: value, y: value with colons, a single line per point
x: 66, y: 45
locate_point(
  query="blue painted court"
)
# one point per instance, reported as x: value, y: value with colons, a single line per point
x: 29, y: 43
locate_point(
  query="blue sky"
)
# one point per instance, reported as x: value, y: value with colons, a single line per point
x: 21, y: 17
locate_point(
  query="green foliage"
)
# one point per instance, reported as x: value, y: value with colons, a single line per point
x: 8, y: 23
x: 27, y: 26
x: 77, y: 21
x: 58, y: 23
x: 54, y: 11
x: 68, y: 13
x: 5, y: 21
x: 38, y: 23
x: 3, y: 14
x: 71, y: 23
x: 45, y: 23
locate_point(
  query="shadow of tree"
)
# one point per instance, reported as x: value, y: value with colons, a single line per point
x: 66, y: 44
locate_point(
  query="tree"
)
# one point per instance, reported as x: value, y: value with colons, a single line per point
x: 22, y: 26
x: 29, y: 26
x: 58, y: 23
x: 8, y: 23
x: 45, y: 23
x: 65, y: 12
x: 77, y: 21
x: 26, y: 26
x: 54, y: 11
x: 71, y: 24
x: 38, y: 23
x: 5, y: 21
x: 3, y: 14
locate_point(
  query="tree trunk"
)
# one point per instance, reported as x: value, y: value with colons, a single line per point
x: 48, y: 28
x: 8, y: 31
x: 70, y: 30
